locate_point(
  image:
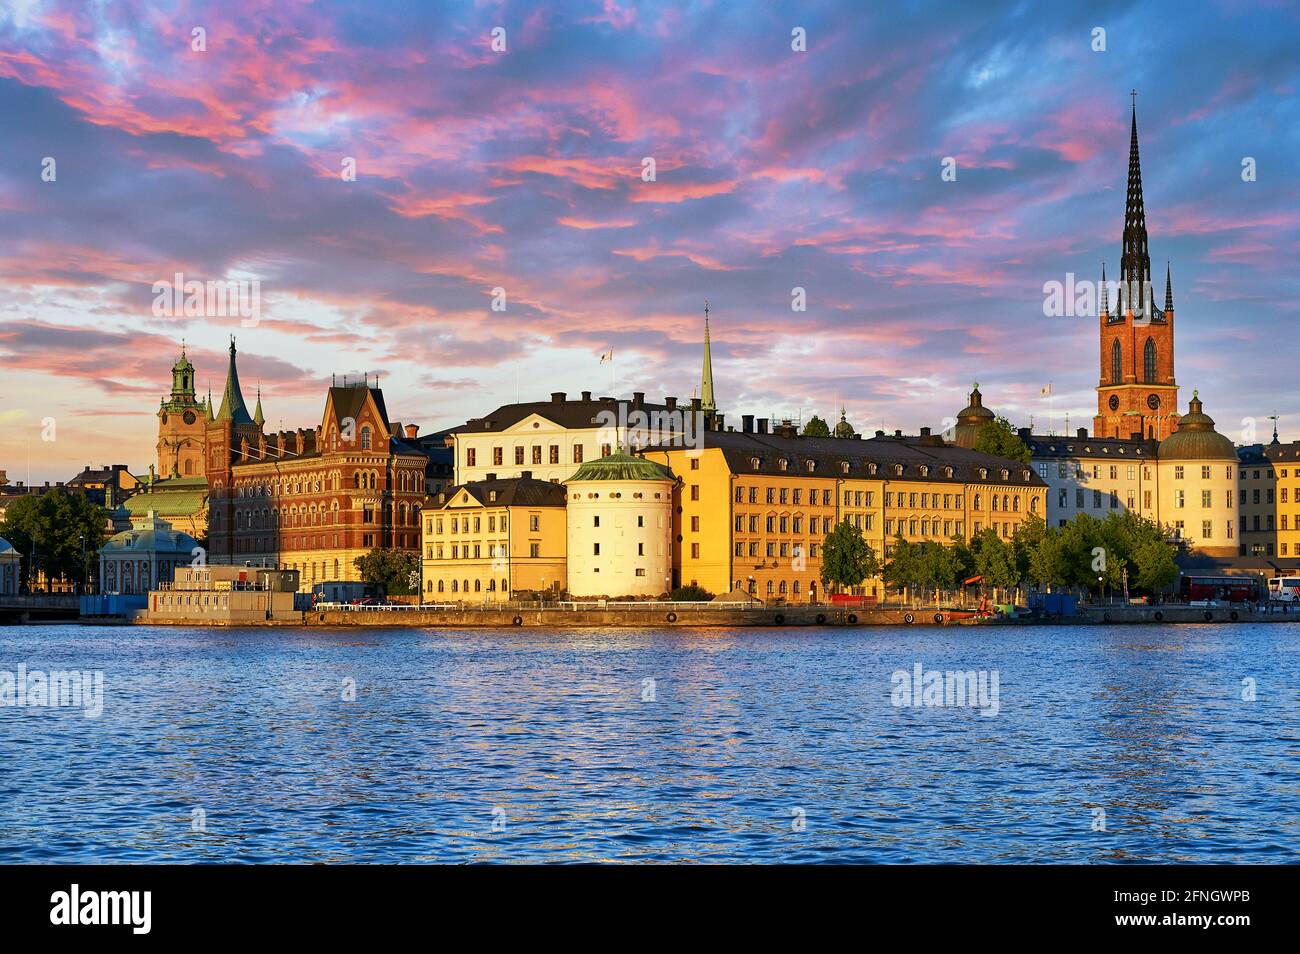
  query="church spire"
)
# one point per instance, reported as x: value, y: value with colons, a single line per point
x: 258, y: 419
x: 1135, y: 263
x: 707, y: 404
x: 232, y: 402
x: 1105, y: 296
x: 1169, y: 289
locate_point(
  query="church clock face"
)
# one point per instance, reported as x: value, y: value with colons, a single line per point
x: 1114, y: 402
x: 189, y: 417
x: 1153, y: 401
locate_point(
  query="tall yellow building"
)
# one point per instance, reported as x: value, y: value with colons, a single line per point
x: 754, y: 507
x: 494, y: 539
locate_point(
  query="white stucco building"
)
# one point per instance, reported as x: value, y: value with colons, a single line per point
x: 142, y: 558
x: 620, y: 525
x: 1198, y: 484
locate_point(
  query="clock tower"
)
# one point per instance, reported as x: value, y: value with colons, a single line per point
x: 1136, y: 393
x: 182, y: 426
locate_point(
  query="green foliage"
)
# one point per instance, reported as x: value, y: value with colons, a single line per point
x: 995, y: 559
x: 690, y: 594
x: 847, y: 559
x: 396, y: 572
x: 816, y: 427
x: 999, y: 438
x: 65, y: 530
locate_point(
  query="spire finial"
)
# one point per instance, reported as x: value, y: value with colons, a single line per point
x: 707, y: 402
x: 1169, y: 287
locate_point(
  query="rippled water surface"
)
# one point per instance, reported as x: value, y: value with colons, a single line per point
x: 749, y: 745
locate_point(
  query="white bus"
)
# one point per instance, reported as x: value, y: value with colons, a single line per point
x: 1284, y: 589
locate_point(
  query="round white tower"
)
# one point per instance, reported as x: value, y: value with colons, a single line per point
x: 620, y: 525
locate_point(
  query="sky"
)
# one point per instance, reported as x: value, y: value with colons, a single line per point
x: 523, y: 170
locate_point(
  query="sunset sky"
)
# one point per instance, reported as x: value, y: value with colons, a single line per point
x: 522, y: 170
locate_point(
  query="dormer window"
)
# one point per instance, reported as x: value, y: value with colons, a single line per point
x: 871, y: 469
x: 925, y: 470
x: 984, y: 473
x: 812, y: 465
x: 783, y: 463
x: 898, y: 470
x: 1005, y: 473
x: 844, y: 467
x: 947, y: 471
x: 492, y: 496
x: 754, y: 463
x: 1025, y: 475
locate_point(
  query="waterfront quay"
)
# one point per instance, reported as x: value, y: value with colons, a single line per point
x: 660, y: 615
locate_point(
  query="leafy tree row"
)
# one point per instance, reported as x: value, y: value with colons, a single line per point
x: 56, y: 533
x: 1086, y: 552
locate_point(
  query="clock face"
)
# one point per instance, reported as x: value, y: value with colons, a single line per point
x: 1114, y: 402
x: 189, y: 417
x: 1153, y: 401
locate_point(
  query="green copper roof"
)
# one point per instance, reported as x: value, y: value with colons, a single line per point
x: 620, y: 466
x: 171, y: 497
x: 706, y: 376
x: 1196, y: 438
x: 232, y: 402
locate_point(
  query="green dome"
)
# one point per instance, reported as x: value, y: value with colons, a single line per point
x: 1196, y: 438
x: 843, y: 429
x: 154, y: 540
x: 620, y: 466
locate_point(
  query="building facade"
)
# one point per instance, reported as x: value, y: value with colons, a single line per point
x: 312, y: 500
x: 1095, y: 475
x: 145, y: 557
x: 754, y: 507
x: 10, y: 568
x: 620, y: 525
x: 494, y: 540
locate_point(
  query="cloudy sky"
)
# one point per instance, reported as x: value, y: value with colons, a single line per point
x: 522, y: 169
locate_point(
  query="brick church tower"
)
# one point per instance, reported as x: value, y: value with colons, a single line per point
x: 1136, y: 393
x: 226, y: 435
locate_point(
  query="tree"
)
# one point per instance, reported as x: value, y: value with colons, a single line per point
x: 396, y: 572
x: 56, y: 533
x: 903, y: 569
x: 998, y: 438
x: 937, y: 567
x: 995, y: 560
x: 847, y: 559
x: 816, y: 427
x: 690, y: 594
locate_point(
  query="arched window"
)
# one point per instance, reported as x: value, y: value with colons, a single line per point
x: 1116, y: 363
x: 1149, y: 362
x: 365, y: 438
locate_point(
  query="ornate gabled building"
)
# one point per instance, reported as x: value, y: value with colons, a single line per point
x: 312, y: 500
x: 182, y: 425
x: 1136, y: 394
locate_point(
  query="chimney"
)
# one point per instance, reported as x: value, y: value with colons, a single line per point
x: 638, y: 398
x: 557, y: 397
x: 1082, y: 433
x: 762, y: 425
x: 925, y: 432
x: 695, y: 404
x: 1024, y: 433
x: 718, y: 421
x: 412, y: 431
x: 527, y: 475
x: 670, y: 403
x: 586, y: 395
x: 898, y: 433
x: 493, y: 476
x: 1137, y: 436
x: 747, y: 423
x: 880, y: 433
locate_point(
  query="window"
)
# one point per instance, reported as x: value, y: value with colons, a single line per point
x: 498, y: 455
x: 1149, y: 362
x: 1205, y: 530
x: 537, y: 453
x: 595, y: 549
x: 1205, y: 499
x: 577, y: 453
x: 534, y: 523
x: 1205, y: 472
x: 554, y: 455
x: 534, y: 550
x: 519, y: 455
x: 695, y: 491
x: 695, y: 463
x: 1116, y: 363
x: 365, y: 438
x: 1178, y: 472
x: 470, y: 454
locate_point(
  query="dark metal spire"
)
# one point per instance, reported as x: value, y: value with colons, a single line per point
x: 1169, y: 289
x: 1105, y: 296
x: 1135, y: 263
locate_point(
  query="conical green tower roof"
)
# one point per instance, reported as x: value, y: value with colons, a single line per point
x: 232, y: 402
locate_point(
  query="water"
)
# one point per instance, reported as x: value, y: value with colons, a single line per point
x: 750, y: 735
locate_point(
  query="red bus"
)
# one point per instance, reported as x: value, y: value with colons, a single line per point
x: 1232, y: 589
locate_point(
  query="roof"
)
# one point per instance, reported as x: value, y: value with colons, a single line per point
x: 509, y: 491
x: 1062, y: 446
x: 174, y: 495
x: 152, y: 540
x: 1196, y: 438
x: 570, y: 414
x: 232, y: 400
x: 7, y: 548
x: 620, y: 466
x: 830, y: 454
x: 349, y: 399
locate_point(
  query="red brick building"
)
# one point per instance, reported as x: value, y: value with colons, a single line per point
x: 312, y: 500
